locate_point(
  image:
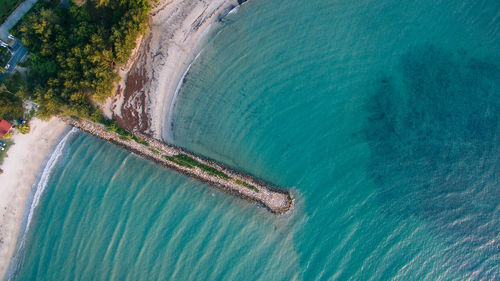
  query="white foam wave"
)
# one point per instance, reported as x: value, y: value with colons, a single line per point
x: 44, y: 179
x: 168, y: 121
x: 234, y: 10
x: 38, y: 191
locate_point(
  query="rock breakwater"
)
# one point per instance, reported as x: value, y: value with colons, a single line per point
x: 210, y: 172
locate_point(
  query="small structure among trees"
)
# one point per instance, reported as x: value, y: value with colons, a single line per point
x: 5, y: 127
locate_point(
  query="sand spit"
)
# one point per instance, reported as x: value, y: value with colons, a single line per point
x: 276, y: 200
x: 150, y: 79
x: 21, y: 167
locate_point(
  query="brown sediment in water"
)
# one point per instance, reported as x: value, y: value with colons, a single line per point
x: 236, y: 183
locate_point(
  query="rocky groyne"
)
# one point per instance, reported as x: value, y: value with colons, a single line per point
x: 215, y: 174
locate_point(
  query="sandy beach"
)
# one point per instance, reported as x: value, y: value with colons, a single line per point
x: 143, y: 99
x: 146, y: 92
x: 21, y: 167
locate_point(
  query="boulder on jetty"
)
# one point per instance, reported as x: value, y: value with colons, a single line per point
x: 215, y: 174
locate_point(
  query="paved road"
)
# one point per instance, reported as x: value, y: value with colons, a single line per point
x: 18, y: 53
x: 14, y: 17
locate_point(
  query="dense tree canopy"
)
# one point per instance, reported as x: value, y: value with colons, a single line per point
x: 11, y: 106
x: 74, y: 51
x: 11, y: 96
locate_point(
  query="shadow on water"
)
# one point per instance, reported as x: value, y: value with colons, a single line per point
x: 434, y: 135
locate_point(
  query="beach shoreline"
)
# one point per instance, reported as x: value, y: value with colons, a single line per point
x: 21, y: 168
x: 150, y: 80
x: 145, y: 94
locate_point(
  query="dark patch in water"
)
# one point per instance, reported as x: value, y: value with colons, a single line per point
x: 434, y: 135
x: 223, y: 14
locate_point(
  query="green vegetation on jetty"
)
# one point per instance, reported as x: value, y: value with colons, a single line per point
x: 112, y: 126
x: 188, y: 162
x: 247, y: 185
x: 207, y: 171
x: 179, y: 159
x: 178, y: 162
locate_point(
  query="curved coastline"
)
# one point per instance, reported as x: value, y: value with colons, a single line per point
x: 167, y: 93
x: 167, y: 125
x: 22, y: 170
x: 151, y: 81
x: 33, y: 200
x: 148, y: 87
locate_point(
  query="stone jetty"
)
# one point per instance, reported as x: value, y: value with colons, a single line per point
x: 210, y: 172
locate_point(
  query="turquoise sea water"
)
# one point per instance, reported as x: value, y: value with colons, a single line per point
x: 382, y: 117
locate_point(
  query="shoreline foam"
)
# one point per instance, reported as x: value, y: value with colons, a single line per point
x: 274, y: 199
x: 33, y: 200
x: 147, y: 89
x: 167, y: 121
x: 21, y: 167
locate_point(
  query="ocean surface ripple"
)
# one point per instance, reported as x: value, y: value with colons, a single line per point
x: 382, y: 117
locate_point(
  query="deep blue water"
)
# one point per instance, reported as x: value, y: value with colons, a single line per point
x: 382, y: 117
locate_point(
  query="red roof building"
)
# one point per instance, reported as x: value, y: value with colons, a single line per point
x: 5, y: 127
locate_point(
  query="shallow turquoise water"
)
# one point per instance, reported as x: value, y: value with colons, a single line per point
x: 382, y: 117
